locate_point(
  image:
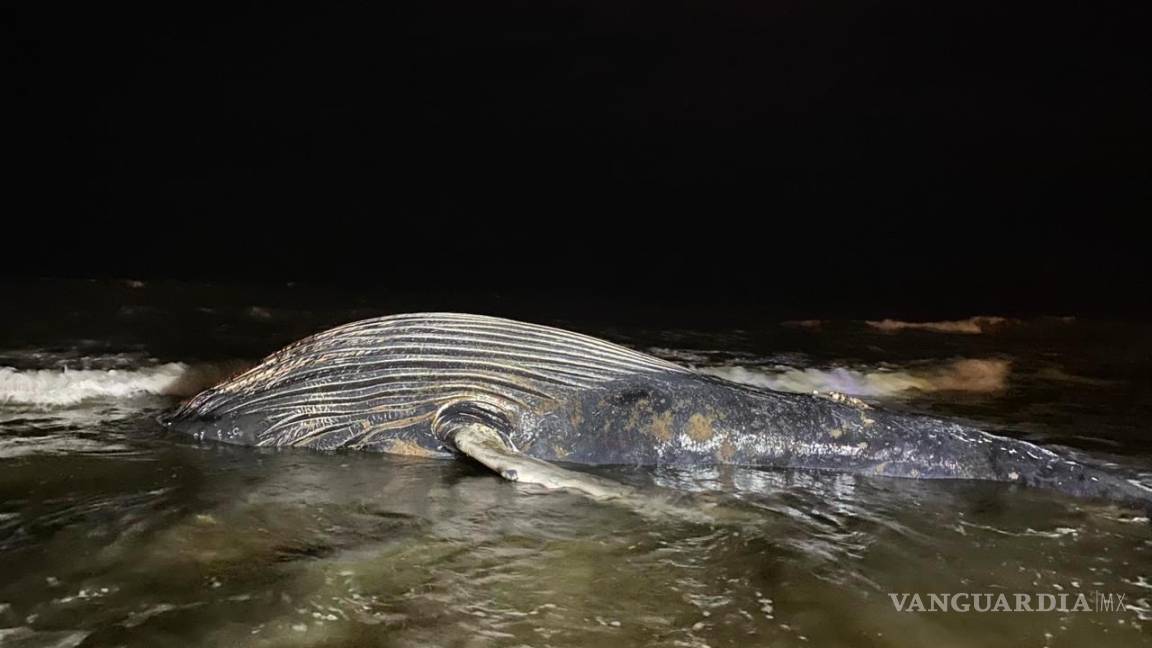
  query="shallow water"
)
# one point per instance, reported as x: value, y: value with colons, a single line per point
x: 115, y: 533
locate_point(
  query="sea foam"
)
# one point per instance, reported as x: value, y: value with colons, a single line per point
x: 60, y: 387
x: 968, y: 375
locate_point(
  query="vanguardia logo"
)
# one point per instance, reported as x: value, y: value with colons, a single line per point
x: 1005, y: 602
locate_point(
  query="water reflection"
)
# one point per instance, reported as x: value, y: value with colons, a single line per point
x: 171, y: 542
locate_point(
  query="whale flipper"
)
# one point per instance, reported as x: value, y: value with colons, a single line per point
x: 484, y: 443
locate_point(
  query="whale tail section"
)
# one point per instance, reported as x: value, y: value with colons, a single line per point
x: 1070, y: 477
x: 836, y: 433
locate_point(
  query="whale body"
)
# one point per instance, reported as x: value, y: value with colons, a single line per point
x: 520, y: 397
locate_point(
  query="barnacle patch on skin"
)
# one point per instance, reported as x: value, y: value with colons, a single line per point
x: 837, y: 397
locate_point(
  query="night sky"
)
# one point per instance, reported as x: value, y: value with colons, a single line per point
x: 925, y: 158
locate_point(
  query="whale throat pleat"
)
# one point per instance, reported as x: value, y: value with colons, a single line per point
x: 357, y: 379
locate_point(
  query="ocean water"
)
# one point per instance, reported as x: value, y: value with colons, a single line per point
x: 116, y: 533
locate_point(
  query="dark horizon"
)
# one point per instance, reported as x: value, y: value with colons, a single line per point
x: 883, y: 159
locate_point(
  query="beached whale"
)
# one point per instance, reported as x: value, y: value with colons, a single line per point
x: 521, y: 397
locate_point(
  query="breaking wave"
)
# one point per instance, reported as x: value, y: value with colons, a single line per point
x: 57, y: 387
x: 977, y: 325
x: 968, y: 375
x: 971, y: 326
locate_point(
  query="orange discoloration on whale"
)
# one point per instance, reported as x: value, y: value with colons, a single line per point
x: 661, y: 427
x: 727, y: 451
x: 577, y: 418
x: 409, y: 449
x: 640, y: 410
x: 699, y: 428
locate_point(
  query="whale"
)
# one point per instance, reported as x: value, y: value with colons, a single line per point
x: 536, y: 403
